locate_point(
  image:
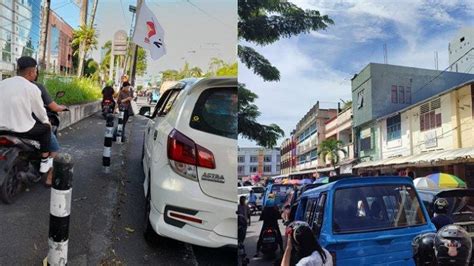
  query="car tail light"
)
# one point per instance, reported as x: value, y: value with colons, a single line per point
x: 185, y: 155
x: 3, y: 157
x: 6, y: 142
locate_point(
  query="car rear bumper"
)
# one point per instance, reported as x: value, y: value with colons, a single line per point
x: 207, y: 221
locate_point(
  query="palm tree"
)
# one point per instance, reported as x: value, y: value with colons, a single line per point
x: 330, y: 148
x: 87, y: 36
x: 195, y: 72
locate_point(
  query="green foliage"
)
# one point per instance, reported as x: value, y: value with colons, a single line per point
x: 78, y: 90
x: 264, y: 135
x: 260, y: 65
x: 330, y: 149
x: 87, y: 35
x: 217, y: 67
x: 91, y: 68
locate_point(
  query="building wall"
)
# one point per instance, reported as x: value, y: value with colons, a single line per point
x: 466, y: 115
x: 248, y: 168
x: 59, y: 52
x: 396, y: 147
x: 20, y: 22
x: 373, y: 151
x: 422, y: 84
x: 461, y: 44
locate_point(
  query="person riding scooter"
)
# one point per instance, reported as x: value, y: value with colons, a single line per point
x: 270, y: 216
x: 108, y: 102
x: 441, y: 218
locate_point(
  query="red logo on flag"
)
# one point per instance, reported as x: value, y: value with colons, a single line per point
x: 151, y: 30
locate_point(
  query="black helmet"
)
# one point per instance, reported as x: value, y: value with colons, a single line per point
x: 441, y: 205
x: 423, y: 249
x: 453, y: 246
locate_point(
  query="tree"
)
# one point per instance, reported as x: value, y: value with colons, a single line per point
x: 87, y: 36
x: 91, y: 68
x: 329, y: 149
x: 264, y: 135
x: 263, y: 23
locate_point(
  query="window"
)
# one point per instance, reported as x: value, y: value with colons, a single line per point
x: 241, y: 159
x: 267, y: 168
x: 430, y: 117
x: 241, y: 169
x: 394, y: 127
x: 215, y: 112
x: 253, y: 169
x: 267, y: 158
x: 401, y: 94
x: 253, y: 159
x: 360, y: 99
x: 394, y: 94
x: 376, y: 208
x: 161, y: 102
x: 408, y: 95
x: 366, y: 144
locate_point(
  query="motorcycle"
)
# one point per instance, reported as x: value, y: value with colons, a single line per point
x: 20, y: 160
x: 269, y: 242
x: 253, y: 209
x: 107, y: 107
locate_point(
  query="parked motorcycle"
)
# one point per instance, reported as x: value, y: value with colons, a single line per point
x: 107, y: 107
x: 269, y: 242
x: 20, y: 160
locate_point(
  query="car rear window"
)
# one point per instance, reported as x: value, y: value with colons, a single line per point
x: 373, y: 208
x: 215, y: 112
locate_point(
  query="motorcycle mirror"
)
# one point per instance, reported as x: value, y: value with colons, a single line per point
x: 60, y: 94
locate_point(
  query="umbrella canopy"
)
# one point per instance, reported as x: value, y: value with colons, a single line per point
x: 423, y: 182
x: 444, y: 180
x: 322, y: 180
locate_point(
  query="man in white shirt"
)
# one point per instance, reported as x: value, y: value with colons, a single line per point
x: 22, y: 99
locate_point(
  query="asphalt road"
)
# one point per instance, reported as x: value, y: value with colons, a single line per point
x: 107, y: 210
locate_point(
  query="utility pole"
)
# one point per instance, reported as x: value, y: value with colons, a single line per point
x: 44, y: 33
x: 83, y: 22
x: 135, y: 51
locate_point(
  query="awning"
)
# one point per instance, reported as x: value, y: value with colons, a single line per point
x: 430, y: 157
x: 327, y: 169
x: 303, y: 172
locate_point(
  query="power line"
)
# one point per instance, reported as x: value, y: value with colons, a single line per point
x: 207, y: 13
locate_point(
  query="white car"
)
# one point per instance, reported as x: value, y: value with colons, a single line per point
x: 189, y: 152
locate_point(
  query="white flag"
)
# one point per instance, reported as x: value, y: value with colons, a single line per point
x: 148, y: 33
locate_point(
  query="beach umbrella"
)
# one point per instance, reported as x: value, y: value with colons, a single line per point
x: 444, y: 180
x: 322, y: 180
x: 423, y: 182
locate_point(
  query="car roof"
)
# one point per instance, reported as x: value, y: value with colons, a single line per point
x: 359, y: 181
x: 192, y: 84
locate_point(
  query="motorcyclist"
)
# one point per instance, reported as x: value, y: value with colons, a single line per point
x: 252, y: 199
x: 108, y: 94
x: 270, y: 216
x: 24, y: 99
x: 423, y: 249
x: 441, y: 218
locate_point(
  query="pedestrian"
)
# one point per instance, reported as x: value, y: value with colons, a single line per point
x: 243, y: 209
x: 124, y: 99
x: 308, y: 251
x: 441, y: 218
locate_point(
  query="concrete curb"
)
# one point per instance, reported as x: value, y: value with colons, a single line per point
x: 77, y: 113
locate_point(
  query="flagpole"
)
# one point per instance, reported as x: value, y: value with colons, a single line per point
x: 135, y: 52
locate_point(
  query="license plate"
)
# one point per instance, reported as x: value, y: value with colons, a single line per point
x: 269, y: 240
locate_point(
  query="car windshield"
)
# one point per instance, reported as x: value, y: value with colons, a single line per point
x: 461, y: 209
x: 258, y: 189
x: 372, y: 208
x: 242, y: 190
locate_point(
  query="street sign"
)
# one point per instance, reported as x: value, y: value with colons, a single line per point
x: 119, y: 43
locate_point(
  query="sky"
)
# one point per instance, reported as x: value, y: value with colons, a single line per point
x: 319, y: 65
x: 195, y: 30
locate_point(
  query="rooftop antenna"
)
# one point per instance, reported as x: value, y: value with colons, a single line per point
x: 385, y: 59
x: 436, y: 59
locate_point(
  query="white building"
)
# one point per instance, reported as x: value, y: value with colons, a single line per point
x: 258, y: 161
x: 461, y: 51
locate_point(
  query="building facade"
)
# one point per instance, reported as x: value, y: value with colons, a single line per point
x: 340, y: 128
x: 20, y: 22
x: 309, y: 133
x: 461, y: 51
x: 59, y: 49
x: 433, y: 135
x: 258, y: 161
x: 381, y: 89
x: 288, y: 156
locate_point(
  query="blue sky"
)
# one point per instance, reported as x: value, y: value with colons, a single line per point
x: 194, y: 33
x: 319, y: 65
